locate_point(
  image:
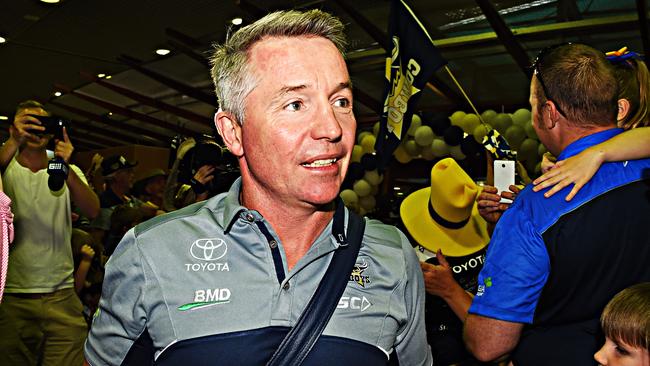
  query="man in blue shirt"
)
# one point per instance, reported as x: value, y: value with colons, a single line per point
x: 552, y: 265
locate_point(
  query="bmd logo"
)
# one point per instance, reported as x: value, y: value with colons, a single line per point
x: 208, y: 249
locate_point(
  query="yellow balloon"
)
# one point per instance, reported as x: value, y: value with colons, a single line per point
x: 416, y: 122
x: 349, y: 196
x: 488, y: 115
x: 456, y: 117
x: 521, y: 117
x: 469, y: 123
x: 439, y: 147
x: 361, y: 135
x: 375, y: 129
x: 401, y: 155
x: 357, y: 153
x: 515, y: 135
x: 456, y: 153
x: 368, y: 143
x: 479, y: 133
x: 423, y: 136
x: 412, y: 148
x: 368, y: 203
x: 362, y: 188
x: 427, y: 153
x: 528, y: 150
x: 501, y: 122
x: 373, y: 177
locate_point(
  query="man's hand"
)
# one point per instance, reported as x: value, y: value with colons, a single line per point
x: 24, y: 126
x: 64, y: 149
x: 438, y: 279
x: 87, y: 253
x: 489, y: 205
x: 204, y: 174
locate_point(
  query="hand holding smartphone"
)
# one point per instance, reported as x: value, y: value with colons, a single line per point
x: 504, y: 176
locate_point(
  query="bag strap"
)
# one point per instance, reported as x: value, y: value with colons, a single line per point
x: 301, y: 338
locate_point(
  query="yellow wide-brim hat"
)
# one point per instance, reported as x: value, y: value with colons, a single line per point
x: 445, y: 216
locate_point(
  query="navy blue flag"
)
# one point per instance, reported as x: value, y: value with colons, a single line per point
x: 410, y: 63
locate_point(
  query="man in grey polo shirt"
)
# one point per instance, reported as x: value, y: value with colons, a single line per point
x: 222, y: 281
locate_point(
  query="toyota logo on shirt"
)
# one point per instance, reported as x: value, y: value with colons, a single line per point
x: 208, y: 249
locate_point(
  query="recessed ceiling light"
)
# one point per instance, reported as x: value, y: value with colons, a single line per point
x: 108, y: 77
x: 237, y: 21
x: 50, y: 1
x: 3, y: 118
x: 101, y: 75
x: 57, y: 94
x: 110, y: 113
x: 3, y: 39
x: 162, y: 51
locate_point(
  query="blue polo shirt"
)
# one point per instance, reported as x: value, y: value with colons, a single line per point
x: 554, y: 264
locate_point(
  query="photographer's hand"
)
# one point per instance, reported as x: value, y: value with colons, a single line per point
x: 23, y: 127
x: 64, y: 149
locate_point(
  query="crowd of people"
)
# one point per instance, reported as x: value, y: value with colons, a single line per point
x: 157, y: 272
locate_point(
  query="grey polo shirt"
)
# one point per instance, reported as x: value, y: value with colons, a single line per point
x: 208, y: 284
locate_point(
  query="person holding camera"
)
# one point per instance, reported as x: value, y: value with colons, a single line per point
x: 41, y: 318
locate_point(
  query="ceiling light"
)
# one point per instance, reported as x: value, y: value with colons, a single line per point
x: 237, y: 21
x: 3, y: 39
x: 58, y: 94
x: 50, y: 1
x: 101, y: 75
x: 4, y: 118
x: 108, y: 77
x: 162, y: 51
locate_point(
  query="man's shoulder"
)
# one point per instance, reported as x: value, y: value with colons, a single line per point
x: 196, y: 211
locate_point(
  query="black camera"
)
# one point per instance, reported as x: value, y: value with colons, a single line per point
x: 53, y: 126
x: 208, y: 151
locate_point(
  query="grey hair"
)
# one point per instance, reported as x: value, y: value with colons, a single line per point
x: 231, y: 74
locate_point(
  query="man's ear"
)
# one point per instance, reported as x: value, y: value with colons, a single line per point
x: 550, y: 109
x: 623, y: 109
x: 230, y: 131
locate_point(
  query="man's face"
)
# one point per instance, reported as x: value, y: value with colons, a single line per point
x: 621, y: 354
x: 299, y: 127
x: 124, y: 178
x: 537, y: 117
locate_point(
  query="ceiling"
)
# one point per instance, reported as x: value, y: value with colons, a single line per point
x: 149, y: 99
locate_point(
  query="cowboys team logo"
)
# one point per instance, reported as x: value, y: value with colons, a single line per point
x: 208, y: 249
x: 357, y: 274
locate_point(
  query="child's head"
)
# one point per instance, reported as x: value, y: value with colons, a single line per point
x: 634, y: 89
x: 626, y: 324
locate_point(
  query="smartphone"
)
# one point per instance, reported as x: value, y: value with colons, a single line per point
x: 53, y: 126
x: 504, y: 176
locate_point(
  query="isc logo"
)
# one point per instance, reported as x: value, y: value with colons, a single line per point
x: 353, y: 302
